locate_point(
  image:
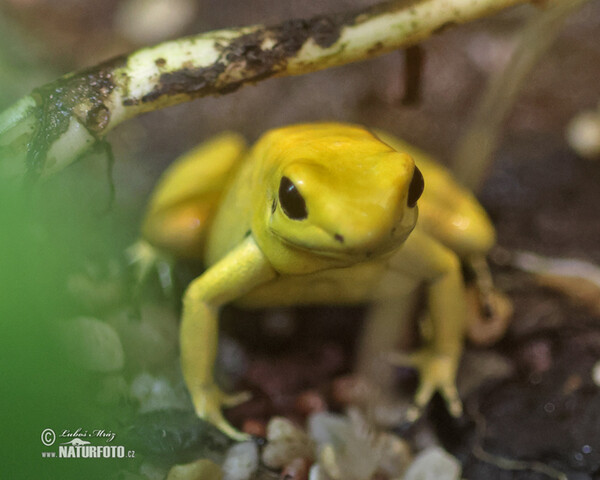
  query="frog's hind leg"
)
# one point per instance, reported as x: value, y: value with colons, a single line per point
x: 181, y: 208
x: 387, y: 323
x: 453, y: 216
x: 187, y: 195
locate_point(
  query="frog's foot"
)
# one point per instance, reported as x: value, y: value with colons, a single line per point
x: 489, y: 311
x: 144, y: 260
x: 437, y: 373
x: 488, y: 317
x: 208, y: 402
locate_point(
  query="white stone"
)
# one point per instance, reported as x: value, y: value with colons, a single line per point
x: 285, y: 443
x: 157, y: 393
x: 434, y: 463
x: 241, y: 461
x: 596, y: 373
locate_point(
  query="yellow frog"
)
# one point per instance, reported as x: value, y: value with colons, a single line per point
x: 313, y: 214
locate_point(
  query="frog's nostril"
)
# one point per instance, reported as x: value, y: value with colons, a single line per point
x: 417, y: 184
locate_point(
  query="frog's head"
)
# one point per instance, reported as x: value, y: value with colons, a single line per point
x: 332, y: 194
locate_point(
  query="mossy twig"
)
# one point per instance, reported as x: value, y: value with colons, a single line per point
x: 50, y: 128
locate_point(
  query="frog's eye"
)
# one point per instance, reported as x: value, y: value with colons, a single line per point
x: 291, y: 201
x: 417, y: 184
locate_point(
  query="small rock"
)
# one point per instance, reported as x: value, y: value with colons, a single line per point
x: 330, y: 463
x: 97, y: 288
x: 199, y: 470
x: 150, y: 21
x: 309, y: 402
x: 157, y: 393
x: 151, y: 341
x: 297, y: 469
x: 327, y: 428
x: 351, y: 389
x: 434, y: 464
x: 573, y: 383
x: 241, y: 461
x: 350, y: 449
x: 92, y: 344
x: 583, y: 134
x: 596, y: 374
x: 317, y: 473
x: 388, y: 412
x: 286, y: 442
x: 255, y: 428
x: 396, y: 455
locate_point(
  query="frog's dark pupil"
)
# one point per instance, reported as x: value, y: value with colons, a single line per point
x: 291, y: 201
x: 417, y: 184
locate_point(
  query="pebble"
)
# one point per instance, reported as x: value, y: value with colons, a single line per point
x: 351, y: 389
x: 348, y: 446
x: 255, y: 428
x: 151, y: 341
x: 297, y: 469
x: 396, y: 455
x: 203, y: 469
x: 596, y: 373
x: 317, y: 473
x: 241, y: 461
x: 151, y: 21
x: 309, y: 402
x: 285, y: 442
x: 157, y: 393
x: 388, y: 412
x: 583, y: 134
x: 92, y: 344
x: 324, y: 427
x: 434, y: 463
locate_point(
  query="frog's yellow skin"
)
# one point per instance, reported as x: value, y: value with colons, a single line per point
x: 312, y: 214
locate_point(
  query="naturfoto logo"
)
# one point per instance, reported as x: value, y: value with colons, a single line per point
x: 77, y: 447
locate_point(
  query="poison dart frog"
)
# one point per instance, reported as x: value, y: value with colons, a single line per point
x: 321, y: 213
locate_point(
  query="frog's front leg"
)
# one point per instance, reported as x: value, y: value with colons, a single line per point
x: 240, y: 271
x: 424, y: 257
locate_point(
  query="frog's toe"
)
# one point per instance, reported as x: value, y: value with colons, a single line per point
x: 219, y: 421
x: 452, y: 399
x: 437, y: 374
x: 208, y: 403
x: 235, y: 399
x: 424, y: 394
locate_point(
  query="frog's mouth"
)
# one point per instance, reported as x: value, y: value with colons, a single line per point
x: 334, y: 251
x: 335, y: 246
